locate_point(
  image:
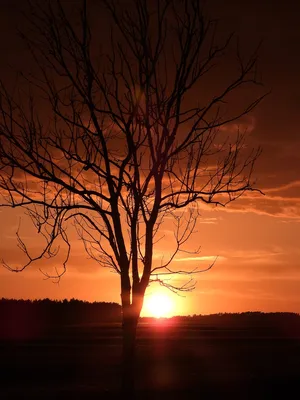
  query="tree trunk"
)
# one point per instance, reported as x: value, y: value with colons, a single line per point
x: 128, y: 362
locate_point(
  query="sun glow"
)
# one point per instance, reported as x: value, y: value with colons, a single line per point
x: 158, y: 305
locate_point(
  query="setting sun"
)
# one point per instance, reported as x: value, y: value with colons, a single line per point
x: 158, y: 305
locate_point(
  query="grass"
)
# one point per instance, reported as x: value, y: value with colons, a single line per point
x: 174, y: 361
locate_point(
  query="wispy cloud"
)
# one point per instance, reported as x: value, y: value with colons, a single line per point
x: 246, y: 123
x: 275, y: 206
x: 209, y: 221
x: 281, y: 188
x: 199, y: 258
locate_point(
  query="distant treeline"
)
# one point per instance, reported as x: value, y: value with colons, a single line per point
x: 250, y: 319
x: 29, y: 317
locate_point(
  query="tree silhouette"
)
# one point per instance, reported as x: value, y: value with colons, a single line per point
x: 115, y: 133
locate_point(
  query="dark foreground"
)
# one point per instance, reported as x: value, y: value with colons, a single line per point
x: 174, y: 361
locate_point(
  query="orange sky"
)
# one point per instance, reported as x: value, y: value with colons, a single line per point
x: 256, y: 238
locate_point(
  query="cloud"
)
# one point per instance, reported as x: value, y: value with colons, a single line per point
x: 252, y: 254
x: 282, y: 202
x: 285, y: 187
x: 199, y: 258
x: 256, y: 257
x: 247, y: 123
x: 209, y: 221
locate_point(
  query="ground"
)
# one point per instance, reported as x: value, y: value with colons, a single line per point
x: 174, y: 361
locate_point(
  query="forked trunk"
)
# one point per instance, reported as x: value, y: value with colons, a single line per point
x: 128, y: 362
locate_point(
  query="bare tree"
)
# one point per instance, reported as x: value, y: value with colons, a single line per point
x: 116, y: 134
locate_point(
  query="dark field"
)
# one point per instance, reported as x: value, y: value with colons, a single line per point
x: 174, y: 361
